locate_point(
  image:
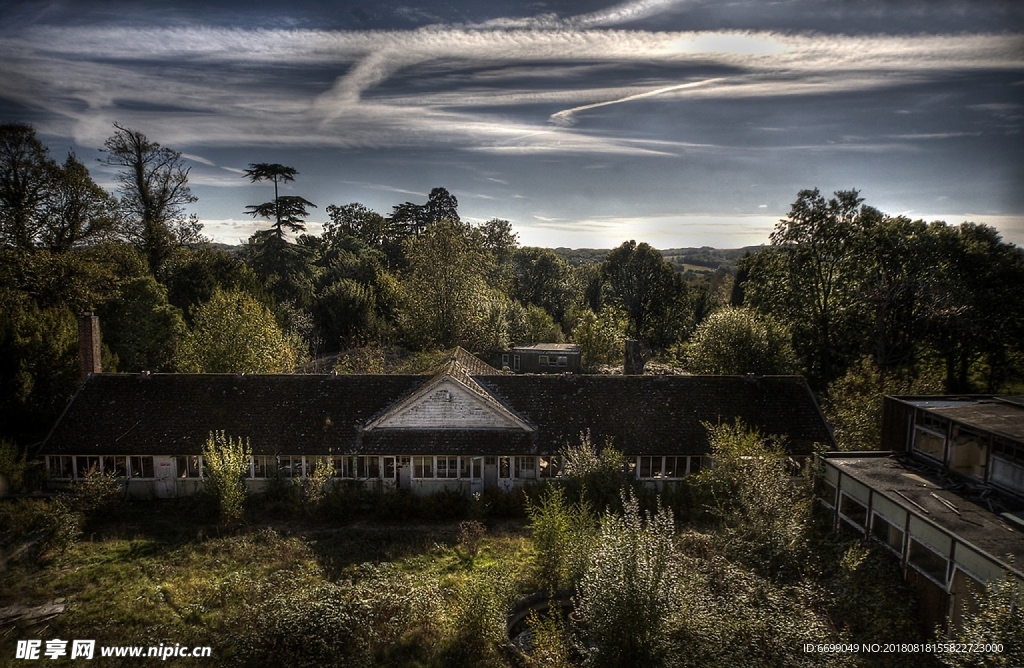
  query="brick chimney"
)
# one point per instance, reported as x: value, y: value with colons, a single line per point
x: 89, y: 343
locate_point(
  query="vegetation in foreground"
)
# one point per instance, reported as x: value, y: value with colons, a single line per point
x: 729, y: 569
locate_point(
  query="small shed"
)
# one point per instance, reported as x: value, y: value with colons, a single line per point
x: 542, y: 358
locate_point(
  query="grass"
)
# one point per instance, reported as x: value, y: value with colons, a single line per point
x: 157, y: 576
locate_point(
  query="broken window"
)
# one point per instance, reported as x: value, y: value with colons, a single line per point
x: 968, y: 453
x: 115, y: 466
x: 290, y: 466
x: 549, y: 467
x: 853, y: 511
x: 141, y: 467
x: 190, y: 466
x: 887, y: 533
x: 928, y: 561
x: 84, y: 465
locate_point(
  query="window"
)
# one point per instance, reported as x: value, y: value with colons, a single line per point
x: 549, y: 467
x: 827, y: 492
x: 695, y: 464
x: 369, y: 467
x: 85, y: 464
x: 929, y: 442
x: 262, y: 466
x: 543, y: 360
x: 447, y: 467
x: 928, y: 561
x: 423, y: 467
x: 526, y: 468
x: 189, y: 467
x: 503, y: 467
x: 888, y: 534
x: 647, y: 465
x: 466, y: 469
x: 115, y: 466
x: 141, y: 467
x: 290, y: 466
x: 389, y: 468
x: 61, y: 466
x: 563, y: 360
x: 504, y: 360
x: 968, y: 453
x: 675, y: 467
x: 853, y: 510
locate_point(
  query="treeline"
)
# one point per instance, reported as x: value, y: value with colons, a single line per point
x: 841, y: 286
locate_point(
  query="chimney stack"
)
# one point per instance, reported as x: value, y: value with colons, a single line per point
x: 634, y: 363
x: 89, y: 344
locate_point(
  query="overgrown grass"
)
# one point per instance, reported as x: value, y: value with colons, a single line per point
x: 156, y: 575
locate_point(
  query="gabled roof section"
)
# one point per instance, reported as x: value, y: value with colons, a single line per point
x: 452, y: 399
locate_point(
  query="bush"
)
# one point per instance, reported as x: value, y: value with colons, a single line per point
x: 562, y: 535
x: 629, y: 589
x: 225, y: 465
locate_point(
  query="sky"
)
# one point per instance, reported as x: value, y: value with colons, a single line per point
x: 584, y: 123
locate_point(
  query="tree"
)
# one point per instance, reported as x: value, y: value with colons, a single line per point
x: 356, y: 220
x: 234, y: 333
x: 445, y: 288
x: 651, y: 294
x: 811, y: 278
x: 998, y: 619
x: 854, y: 403
x: 737, y: 341
x: 141, y: 327
x: 287, y: 211
x: 27, y: 179
x: 80, y: 211
x: 975, y: 308
x: 154, y: 192
x: 225, y: 467
x: 43, y: 204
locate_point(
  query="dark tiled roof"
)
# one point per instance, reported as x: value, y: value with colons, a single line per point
x: 306, y: 414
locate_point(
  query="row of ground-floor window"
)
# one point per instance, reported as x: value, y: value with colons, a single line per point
x: 653, y: 467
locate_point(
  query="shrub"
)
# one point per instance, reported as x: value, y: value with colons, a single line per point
x: 471, y: 534
x: 562, y: 535
x: 225, y: 464
x: 629, y: 589
x: 763, y: 518
x: 597, y: 475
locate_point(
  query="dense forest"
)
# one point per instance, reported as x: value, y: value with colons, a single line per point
x: 845, y: 294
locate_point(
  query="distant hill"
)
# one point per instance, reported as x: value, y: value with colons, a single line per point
x: 698, y: 260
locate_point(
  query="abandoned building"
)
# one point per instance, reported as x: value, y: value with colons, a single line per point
x: 946, y: 495
x: 467, y: 427
x: 541, y: 358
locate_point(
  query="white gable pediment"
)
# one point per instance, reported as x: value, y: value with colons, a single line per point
x: 447, y: 403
